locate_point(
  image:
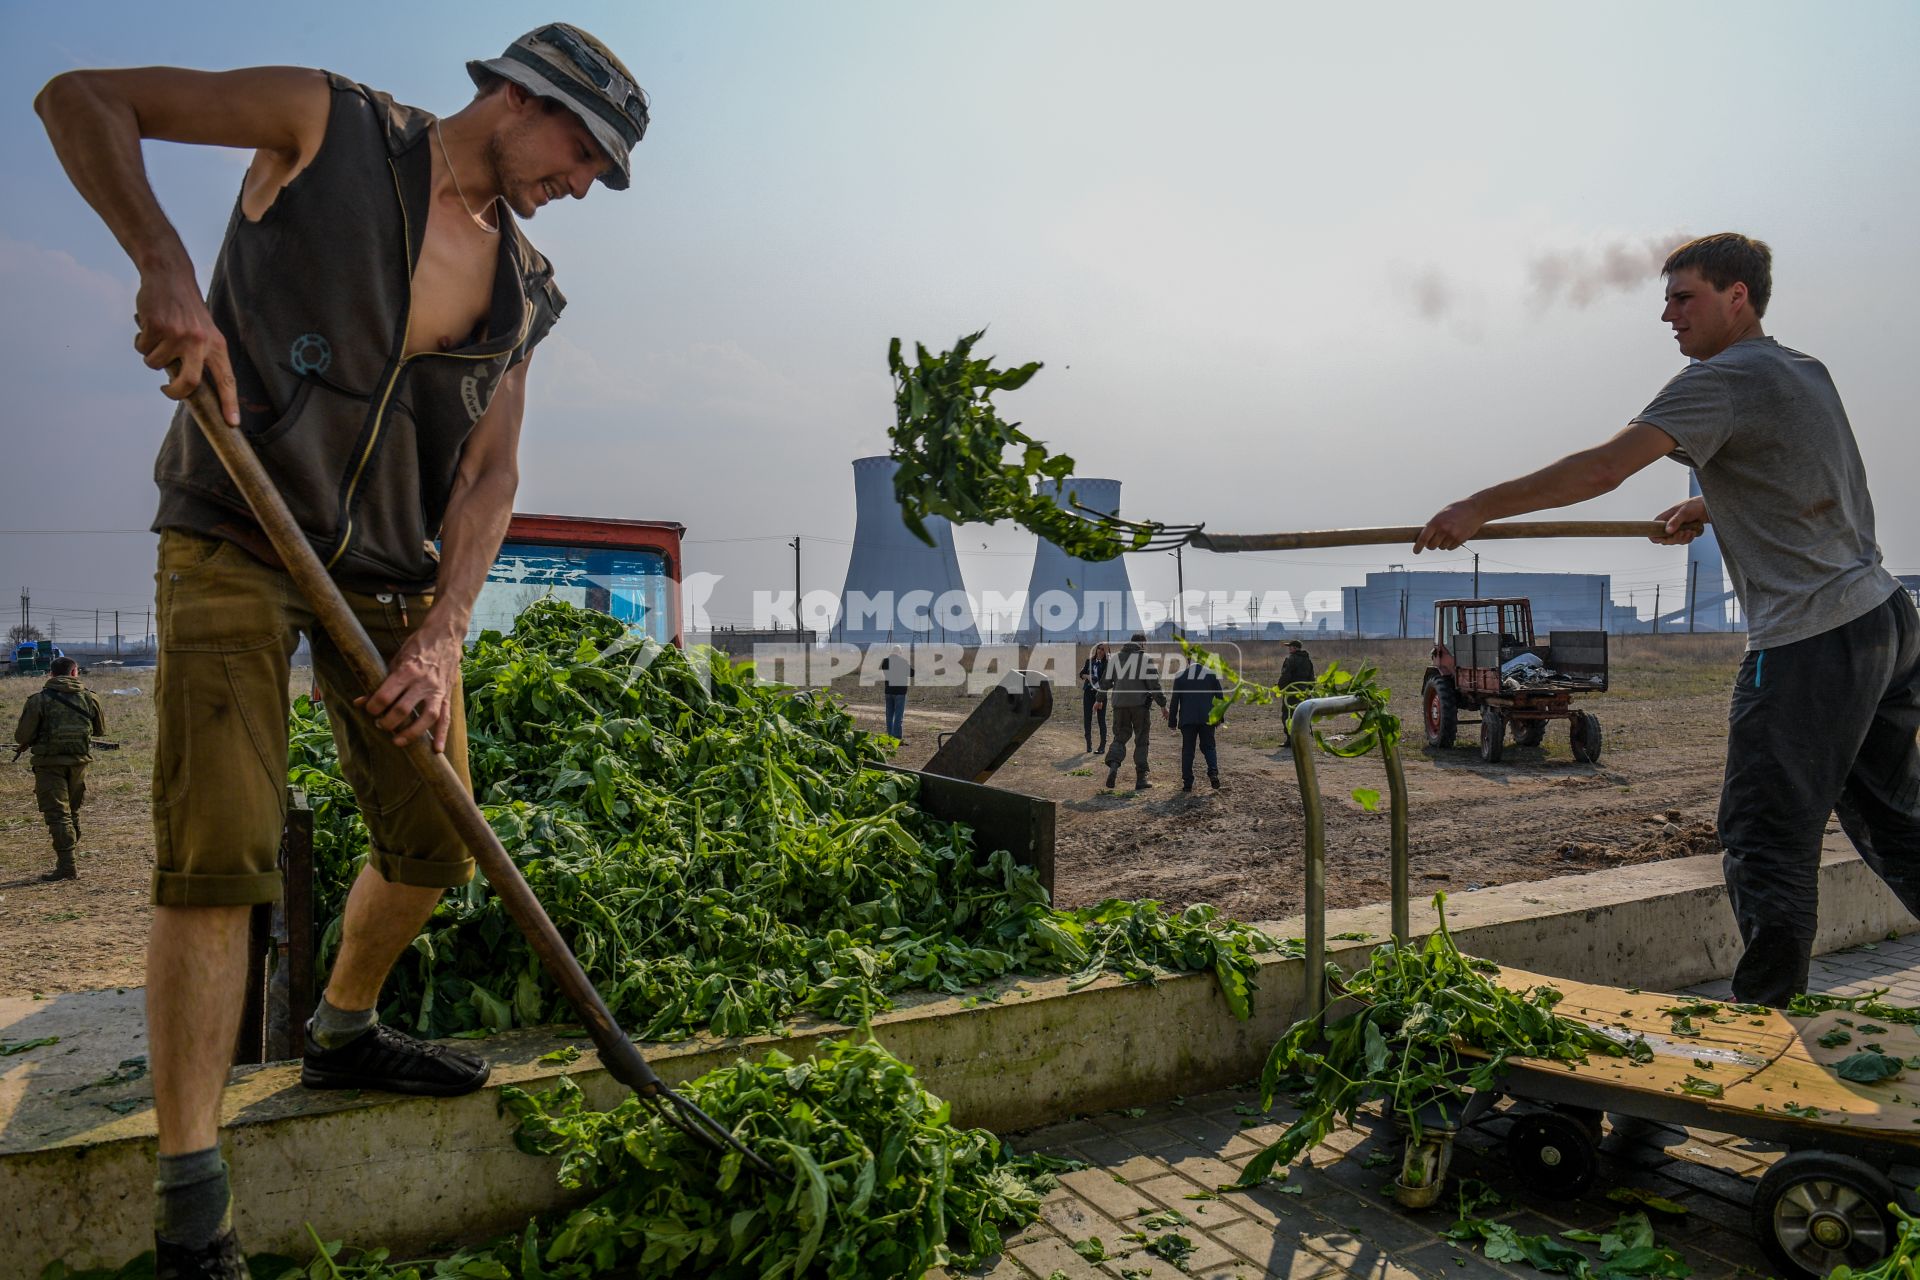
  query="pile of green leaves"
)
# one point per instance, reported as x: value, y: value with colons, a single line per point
x: 1627, y: 1249
x: 721, y: 856
x: 952, y: 447
x: 882, y: 1183
x: 1867, y: 1005
x: 1422, y: 1008
x: 877, y: 1183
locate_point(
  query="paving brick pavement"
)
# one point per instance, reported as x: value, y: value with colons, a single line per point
x: 1332, y: 1219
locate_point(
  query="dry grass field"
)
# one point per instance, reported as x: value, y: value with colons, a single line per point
x: 1536, y: 814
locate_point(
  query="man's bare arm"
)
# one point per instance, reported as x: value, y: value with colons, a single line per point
x: 96, y: 121
x: 1574, y: 478
x: 423, y: 671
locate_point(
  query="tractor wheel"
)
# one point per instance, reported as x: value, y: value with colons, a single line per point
x: 1553, y: 1154
x: 1815, y: 1211
x: 1583, y: 735
x: 1440, y: 703
x: 1529, y: 733
x: 1493, y: 734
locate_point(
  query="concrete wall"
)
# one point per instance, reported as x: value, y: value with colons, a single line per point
x: 412, y: 1172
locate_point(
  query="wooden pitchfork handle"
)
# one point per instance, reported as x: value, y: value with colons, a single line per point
x: 1312, y: 538
x: 622, y: 1059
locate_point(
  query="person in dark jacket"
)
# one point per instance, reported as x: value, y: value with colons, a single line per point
x: 1195, y: 690
x: 1132, y: 682
x: 1297, y: 669
x: 58, y: 725
x: 1093, y: 698
x: 898, y: 670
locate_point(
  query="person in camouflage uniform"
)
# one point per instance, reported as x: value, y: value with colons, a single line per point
x: 58, y: 725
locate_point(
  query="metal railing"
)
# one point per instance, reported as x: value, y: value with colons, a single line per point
x: 1301, y: 725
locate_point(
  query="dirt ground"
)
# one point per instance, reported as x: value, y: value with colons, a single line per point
x: 1536, y: 814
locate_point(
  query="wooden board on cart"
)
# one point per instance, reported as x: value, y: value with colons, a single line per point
x: 1762, y: 1061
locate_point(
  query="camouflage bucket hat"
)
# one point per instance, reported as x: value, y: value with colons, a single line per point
x: 562, y: 62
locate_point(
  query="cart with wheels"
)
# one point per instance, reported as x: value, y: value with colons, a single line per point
x: 1851, y: 1149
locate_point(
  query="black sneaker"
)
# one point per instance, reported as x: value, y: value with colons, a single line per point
x: 220, y: 1260
x: 383, y: 1058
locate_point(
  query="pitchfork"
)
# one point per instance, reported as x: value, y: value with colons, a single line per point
x: 1151, y: 535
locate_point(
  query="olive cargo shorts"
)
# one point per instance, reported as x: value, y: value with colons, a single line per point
x: 229, y: 625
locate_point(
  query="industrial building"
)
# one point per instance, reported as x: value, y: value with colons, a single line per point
x: 1399, y: 602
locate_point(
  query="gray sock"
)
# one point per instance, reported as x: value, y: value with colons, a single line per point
x: 333, y: 1026
x: 193, y: 1205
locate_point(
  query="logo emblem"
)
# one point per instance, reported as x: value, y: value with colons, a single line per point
x: 311, y: 353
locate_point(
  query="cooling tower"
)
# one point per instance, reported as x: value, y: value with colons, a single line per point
x: 898, y: 587
x: 1071, y: 599
x: 1708, y: 580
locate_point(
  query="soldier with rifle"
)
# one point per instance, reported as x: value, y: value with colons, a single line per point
x: 58, y: 725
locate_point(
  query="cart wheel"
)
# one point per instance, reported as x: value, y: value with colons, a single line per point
x: 1529, y: 733
x: 1553, y: 1153
x: 1493, y: 734
x: 1440, y: 703
x: 1583, y: 735
x: 1592, y: 1119
x: 1815, y: 1211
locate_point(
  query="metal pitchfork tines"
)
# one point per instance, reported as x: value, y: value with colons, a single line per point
x: 1140, y: 535
x: 621, y: 1057
x: 1167, y: 537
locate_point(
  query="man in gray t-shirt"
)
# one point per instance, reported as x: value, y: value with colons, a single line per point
x: 1826, y: 705
x: 1764, y: 428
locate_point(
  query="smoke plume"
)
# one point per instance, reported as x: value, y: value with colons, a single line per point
x: 1582, y: 276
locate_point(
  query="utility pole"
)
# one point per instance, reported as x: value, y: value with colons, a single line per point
x: 1693, y: 591
x: 1656, y: 608
x: 148, y: 631
x: 1476, y: 575
x: 96, y: 628
x: 1180, y: 586
x: 795, y: 544
x: 116, y: 633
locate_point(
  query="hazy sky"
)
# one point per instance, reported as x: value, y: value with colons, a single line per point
x: 1288, y: 267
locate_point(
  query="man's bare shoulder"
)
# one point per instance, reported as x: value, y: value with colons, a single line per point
x: 280, y: 109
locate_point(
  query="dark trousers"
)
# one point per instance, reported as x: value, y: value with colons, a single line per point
x: 1093, y: 706
x: 1203, y: 735
x: 1823, y: 725
x: 896, y: 711
x: 1135, y: 723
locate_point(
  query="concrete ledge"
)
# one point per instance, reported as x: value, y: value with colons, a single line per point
x: 416, y: 1172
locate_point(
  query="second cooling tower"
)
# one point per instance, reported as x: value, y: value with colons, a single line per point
x: 1072, y: 599
x: 898, y: 587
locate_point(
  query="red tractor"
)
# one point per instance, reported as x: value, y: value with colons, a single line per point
x: 1485, y: 660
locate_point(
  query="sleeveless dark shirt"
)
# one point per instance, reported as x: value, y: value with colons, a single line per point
x: 313, y: 299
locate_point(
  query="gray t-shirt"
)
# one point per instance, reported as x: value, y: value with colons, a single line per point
x: 1763, y: 426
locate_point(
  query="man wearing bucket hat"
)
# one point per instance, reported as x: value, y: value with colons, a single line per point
x: 368, y: 326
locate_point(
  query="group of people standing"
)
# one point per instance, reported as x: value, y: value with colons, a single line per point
x: 1129, y: 682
